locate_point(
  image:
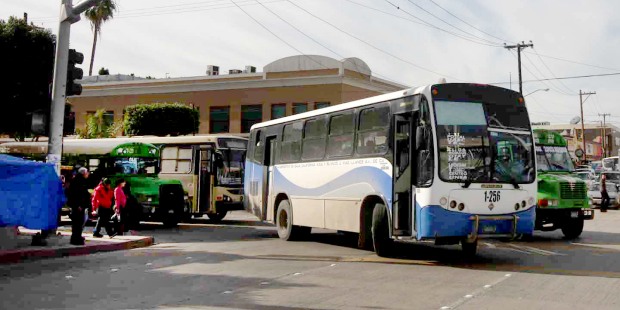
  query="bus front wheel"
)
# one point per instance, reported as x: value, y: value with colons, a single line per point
x: 469, y: 248
x: 284, y: 222
x: 572, y: 228
x: 381, y: 231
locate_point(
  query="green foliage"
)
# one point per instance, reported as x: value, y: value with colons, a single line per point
x: 27, y: 64
x: 97, y: 126
x: 161, y: 119
x: 104, y: 71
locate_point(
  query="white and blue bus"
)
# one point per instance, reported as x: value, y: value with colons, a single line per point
x: 450, y: 163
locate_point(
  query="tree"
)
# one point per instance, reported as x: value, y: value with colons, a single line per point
x: 104, y: 71
x: 161, y: 119
x: 97, y: 15
x: 25, y: 83
x: 97, y: 126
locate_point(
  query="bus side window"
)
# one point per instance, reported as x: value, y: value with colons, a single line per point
x: 340, y: 140
x: 425, y: 154
x: 290, y: 149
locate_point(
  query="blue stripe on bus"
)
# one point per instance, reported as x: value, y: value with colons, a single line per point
x: 434, y: 221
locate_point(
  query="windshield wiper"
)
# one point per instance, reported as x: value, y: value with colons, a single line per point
x: 480, y: 159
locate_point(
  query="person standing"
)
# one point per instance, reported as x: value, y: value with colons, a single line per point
x: 604, y: 194
x: 102, y: 206
x: 78, y: 200
x: 120, y: 206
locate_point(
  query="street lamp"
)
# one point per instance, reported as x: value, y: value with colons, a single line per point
x: 543, y: 89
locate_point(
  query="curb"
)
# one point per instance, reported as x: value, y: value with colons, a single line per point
x: 16, y: 256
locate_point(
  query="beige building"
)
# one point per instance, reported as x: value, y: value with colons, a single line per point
x: 233, y: 102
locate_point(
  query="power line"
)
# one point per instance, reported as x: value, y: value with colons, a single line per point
x: 455, y: 27
x: 468, y: 24
x: 376, y: 48
x: 440, y: 29
x: 550, y: 85
x: 563, y: 78
x: 579, y: 63
x: 317, y: 42
x: 552, y: 74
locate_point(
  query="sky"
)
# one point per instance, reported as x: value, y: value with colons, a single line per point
x: 411, y: 42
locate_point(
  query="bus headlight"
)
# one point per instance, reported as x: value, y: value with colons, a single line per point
x: 517, y: 206
x: 530, y: 201
x: 523, y: 204
x: 443, y: 201
x: 452, y: 204
x: 553, y: 202
x: 461, y: 206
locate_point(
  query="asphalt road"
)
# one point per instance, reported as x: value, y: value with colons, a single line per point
x: 241, y: 264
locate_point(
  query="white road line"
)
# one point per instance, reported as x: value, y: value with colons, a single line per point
x: 532, y: 250
x: 475, y: 293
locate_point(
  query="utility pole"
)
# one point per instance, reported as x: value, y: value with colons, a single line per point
x: 519, y: 47
x: 68, y: 16
x: 604, y: 137
x: 583, y: 134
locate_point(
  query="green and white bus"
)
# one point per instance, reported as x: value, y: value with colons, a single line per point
x: 562, y: 196
x: 137, y: 163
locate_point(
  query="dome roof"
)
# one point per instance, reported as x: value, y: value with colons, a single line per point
x: 316, y: 62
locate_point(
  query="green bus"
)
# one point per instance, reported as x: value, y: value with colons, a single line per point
x: 138, y: 163
x: 562, y: 196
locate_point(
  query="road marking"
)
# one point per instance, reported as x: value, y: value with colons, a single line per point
x: 490, y: 245
x: 603, y: 246
x: 475, y: 293
x: 113, y: 270
x: 533, y: 250
x: 386, y: 260
x: 68, y: 277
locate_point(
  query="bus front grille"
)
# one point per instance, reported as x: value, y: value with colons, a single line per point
x: 572, y: 190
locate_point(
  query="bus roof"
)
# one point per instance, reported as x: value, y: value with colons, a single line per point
x: 106, y: 145
x: 343, y: 106
x: 546, y: 137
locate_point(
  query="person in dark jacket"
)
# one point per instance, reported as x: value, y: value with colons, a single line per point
x: 78, y: 200
x: 133, y: 209
x: 604, y: 195
x: 102, y: 206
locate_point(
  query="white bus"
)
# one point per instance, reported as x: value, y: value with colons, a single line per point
x: 210, y: 167
x: 448, y: 162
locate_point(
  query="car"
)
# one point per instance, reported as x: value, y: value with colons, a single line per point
x: 587, y: 176
x: 612, y: 185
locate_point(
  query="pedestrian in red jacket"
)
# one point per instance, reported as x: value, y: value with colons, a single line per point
x: 120, y: 206
x: 102, y: 206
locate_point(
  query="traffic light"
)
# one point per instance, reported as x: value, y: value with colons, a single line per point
x: 74, y: 73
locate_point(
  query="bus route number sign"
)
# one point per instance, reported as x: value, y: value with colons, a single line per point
x: 491, y: 196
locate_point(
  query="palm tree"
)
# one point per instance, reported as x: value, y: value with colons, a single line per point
x: 98, y: 15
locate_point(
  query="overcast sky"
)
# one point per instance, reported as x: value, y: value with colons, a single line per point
x: 417, y: 43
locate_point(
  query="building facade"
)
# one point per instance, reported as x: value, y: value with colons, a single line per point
x: 232, y: 103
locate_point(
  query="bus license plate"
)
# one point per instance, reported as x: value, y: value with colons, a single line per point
x: 488, y: 228
x: 574, y: 214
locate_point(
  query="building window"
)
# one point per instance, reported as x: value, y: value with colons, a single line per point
x: 250, y: 115
x: 278, y: 110
x: 299, y: 108
x: 219, y: 119
x: 320, y: 105
x: 108, y: 117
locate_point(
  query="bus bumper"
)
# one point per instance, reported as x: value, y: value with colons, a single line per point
x: 437, y: 222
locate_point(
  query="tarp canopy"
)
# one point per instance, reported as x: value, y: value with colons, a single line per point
x: 31, y: 193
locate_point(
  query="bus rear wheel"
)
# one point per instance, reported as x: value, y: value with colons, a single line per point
x: 284, y: 222
x: 381, y: 241
x: 217, y: 216
x: 572, y: 228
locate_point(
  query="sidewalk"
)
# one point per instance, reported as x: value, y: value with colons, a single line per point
x: 19, y: 248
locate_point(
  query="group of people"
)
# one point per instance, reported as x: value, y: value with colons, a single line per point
x: 107, y: 203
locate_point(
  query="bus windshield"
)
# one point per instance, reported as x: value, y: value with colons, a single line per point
x: 135, y: 165
x: 553, y: 158
x: 231, y: 172
x: 473, y: 148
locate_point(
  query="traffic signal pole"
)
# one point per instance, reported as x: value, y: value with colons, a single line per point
x: 68, y: 16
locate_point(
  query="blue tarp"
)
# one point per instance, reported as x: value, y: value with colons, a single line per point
x: 31, y: 193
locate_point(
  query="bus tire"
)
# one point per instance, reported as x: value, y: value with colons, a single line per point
x: 469, y: 248
x: 217, y: 216
x: 171, y: 222
x: 572, y: 228
x: 381, y: 241
x: 284, y: 223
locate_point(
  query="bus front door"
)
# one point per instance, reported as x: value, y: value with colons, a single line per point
x: 202, y: 183
x: 268, y: 178
x: 403, y: 190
